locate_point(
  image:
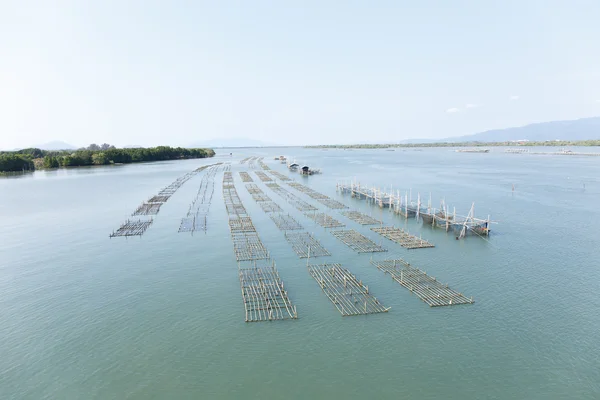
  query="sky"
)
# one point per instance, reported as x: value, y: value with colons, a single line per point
x: 291, y: 73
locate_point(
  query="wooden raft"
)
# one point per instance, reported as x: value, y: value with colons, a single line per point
x: 361, y: 218
x: 292, y: 199
x: 263, y: 177
x: 265, y: 298
x: 402, y: 237
x: 357, y: 241
x: 246, y: 177
x: 325, y: 220
x: 305, y: 245
x: 349, y: 295
x: 425, y: 287
x: 132, y: 228
x: 280, y: 176
x: 285, y: 222
x: 270, y: 206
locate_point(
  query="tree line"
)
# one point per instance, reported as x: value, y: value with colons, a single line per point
x: 33, y: 158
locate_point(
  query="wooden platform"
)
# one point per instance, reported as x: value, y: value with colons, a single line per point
x: 132, y: 228
x: 263, y: 177
x: 305, y: 245
x: 349, y: 295
x: 402, y: 237
x: 325, y: 220
x: 292, y: 199
x: 193, y: 223
x: 361, y: 218
x: 357, y: 241
x: 246, y: 177
x: 285, y: 222
x: 258, y: 197
x: 241, y: 224
x: 265, y: 298
x: 270, y: 206
x: 159, y: 199
x: 253, y: 188
x: 425, y: 287
x: 247, y: 246
x: 147, y: 209
x: 280, y: 176
x: 320, y: 197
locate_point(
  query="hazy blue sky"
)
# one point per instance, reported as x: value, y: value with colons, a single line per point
x: 303, y: 72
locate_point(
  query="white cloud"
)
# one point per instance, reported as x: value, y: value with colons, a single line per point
x: 452, y: 110
x: 472, y: 106
x: 514, y: 97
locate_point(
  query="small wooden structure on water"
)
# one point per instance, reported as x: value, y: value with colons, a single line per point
x: 264, y: 295
x: 292, y: 199
x: 403, y: 205
x: 270, y: 206
x: 402, y: 237
x: 325, y: 220
x: 425, y: 287
x: 280, y: 176
x: 321, y: 198
x: 285, y: 222
x: 305, y: 245
x: 132, y: 228
x: 357, y: 241
x: 348, y: 294
x: 263, y: 177
x: 246, y: 177
x: 361, y: 218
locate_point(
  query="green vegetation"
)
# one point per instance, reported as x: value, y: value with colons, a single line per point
x: 30, y: 159
x: 553, y: 143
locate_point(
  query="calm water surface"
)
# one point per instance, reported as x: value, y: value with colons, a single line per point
x: 83, y: 316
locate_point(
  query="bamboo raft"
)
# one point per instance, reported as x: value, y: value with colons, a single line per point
x: 292, y: 199
x: 285, y: 222
x: 265, y: 298
x: 304, y: 245
x: 357, y: 241
x: 247, y: 246
x: 159, y: 199
x: 252, y: 188
x: 280, y: 176
x: 241, y: 224
x: 259, y: 197
x: 235, y: 209
x: 132, y: 228
x: 246, y: 177
x: 320, y: 197
x: 361, y: 218
x: 193, y: 223
x: 325, y: 220
x: 147, y: 209
x: 152, y: 206
x: 263, y: 165
x: 402, y: 237
x: 270, y: 206
x: 263, y: 177
x: 349, y: 295
x: 425, y: 287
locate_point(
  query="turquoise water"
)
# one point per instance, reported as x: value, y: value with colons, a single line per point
x: 161, y: 316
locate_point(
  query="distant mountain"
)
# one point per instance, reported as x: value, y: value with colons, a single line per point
x: 55, y: 145
x: 579, y: 129
x: 231, y: 142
